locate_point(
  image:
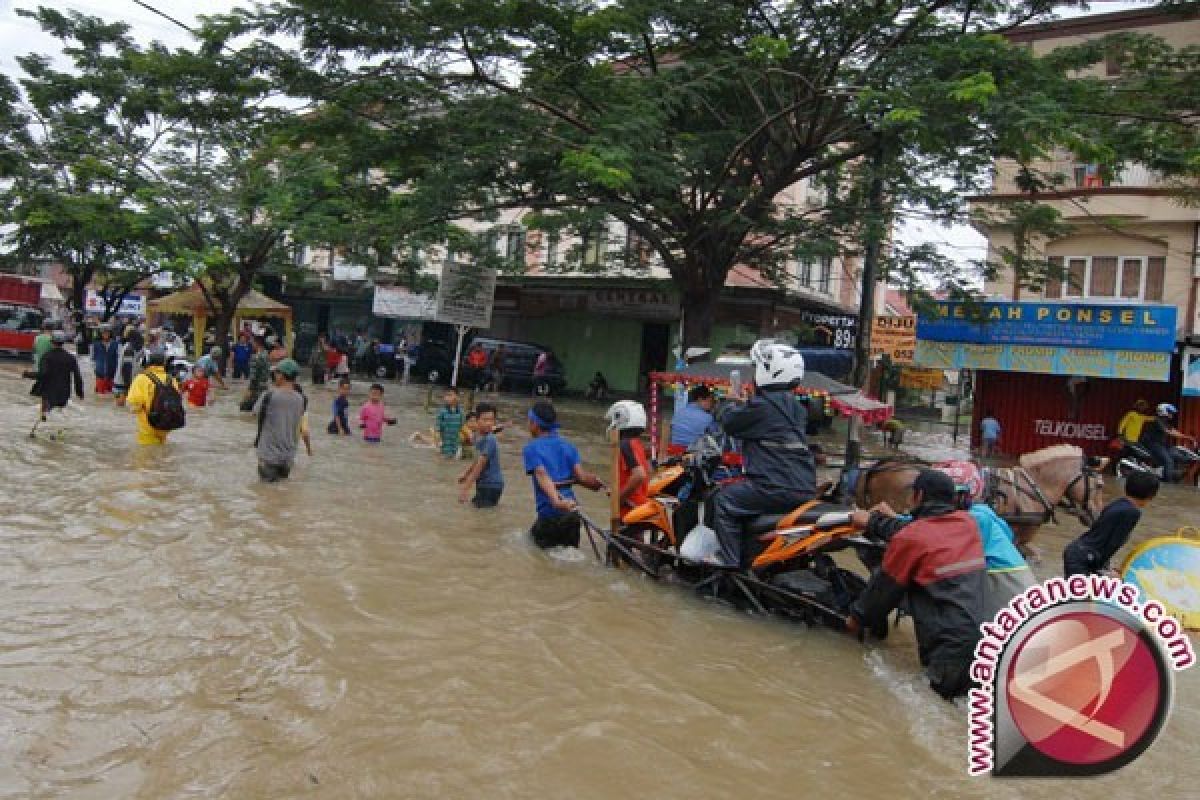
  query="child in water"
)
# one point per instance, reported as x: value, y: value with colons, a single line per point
x: 372, y: 416
x: 449, y: 424
x: 196, y: 388
x: 341, y: 405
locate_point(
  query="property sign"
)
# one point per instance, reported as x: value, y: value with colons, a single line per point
x: 1140, y: 327
x: 839, y: 330
x: 894, y: 337
x: 466, y: 294
x: 131, y: 304
x: 395, y: 302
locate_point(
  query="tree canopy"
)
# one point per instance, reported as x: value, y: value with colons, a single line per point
x: 686, y: 120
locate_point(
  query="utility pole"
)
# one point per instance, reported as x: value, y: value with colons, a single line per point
x: 866, y: 308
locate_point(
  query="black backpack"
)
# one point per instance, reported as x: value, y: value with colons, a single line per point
x: 166, y: 411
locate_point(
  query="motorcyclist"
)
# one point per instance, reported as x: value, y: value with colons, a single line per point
x: 628, y: 418
x: 779, y: 467
x: 1156, y: 438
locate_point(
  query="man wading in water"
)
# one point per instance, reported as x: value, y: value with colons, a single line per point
x: 57, y: 370
x: 281, y: 422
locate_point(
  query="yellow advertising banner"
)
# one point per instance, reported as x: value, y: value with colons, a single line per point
x: 895, y: 337
x: 1027, y: 358
x: 918, y: 378
x: 985, y: 356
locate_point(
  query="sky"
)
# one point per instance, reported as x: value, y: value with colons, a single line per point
x: 19, y: 35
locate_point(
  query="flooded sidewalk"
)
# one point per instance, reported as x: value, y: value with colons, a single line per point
x: 172, y: 628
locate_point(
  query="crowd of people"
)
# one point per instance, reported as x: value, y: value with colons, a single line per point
x: 950, y: 564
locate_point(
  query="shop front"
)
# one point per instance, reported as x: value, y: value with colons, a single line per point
x: 1055, y: 373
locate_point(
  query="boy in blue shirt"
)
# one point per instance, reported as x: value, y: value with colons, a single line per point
x: 484, y: 471
x: 553, y: 464
x: 989, y: 431
x: 340, y: 424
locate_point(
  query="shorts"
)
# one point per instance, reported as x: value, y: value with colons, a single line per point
x: 273, y: 473
x: 372, y: 439
x: 556, y: 531
x: 487, y: 496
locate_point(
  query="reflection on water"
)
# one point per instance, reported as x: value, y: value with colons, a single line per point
x: 169, y: 627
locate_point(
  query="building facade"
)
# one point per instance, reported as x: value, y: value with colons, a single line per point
x: 1129, y: 241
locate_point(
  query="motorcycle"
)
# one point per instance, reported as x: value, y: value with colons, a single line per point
x: 792, y: 572
x: 1136, y: 458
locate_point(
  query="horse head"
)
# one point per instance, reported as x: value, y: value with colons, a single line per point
x: 1069, y: 478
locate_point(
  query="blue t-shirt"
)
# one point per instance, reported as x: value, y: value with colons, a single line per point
x: 990, y: 428
x: 241, y: 354
x: 491, y: 477
x: 690, y: 424
x: 340, y: 405
x: 559, y: 458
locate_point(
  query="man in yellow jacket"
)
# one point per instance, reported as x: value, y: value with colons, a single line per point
x: 141, y: 395
x: 1130, y: 426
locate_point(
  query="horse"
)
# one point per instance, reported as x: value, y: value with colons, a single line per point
x: 1026, y: 495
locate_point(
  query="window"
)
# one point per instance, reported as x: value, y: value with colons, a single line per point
x: 804, y: 272
x: 1089, y: 176
x: 1134, y: 278
x: 825, y: 274
x: 594, y: 246
x: 508, y: 242
x: 552, y: 239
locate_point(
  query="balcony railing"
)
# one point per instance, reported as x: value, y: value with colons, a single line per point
x: 1072, y: 175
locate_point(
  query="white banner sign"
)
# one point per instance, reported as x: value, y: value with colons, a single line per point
x: 131, y: 304
x: 397, y: 303
x: 465, y: 295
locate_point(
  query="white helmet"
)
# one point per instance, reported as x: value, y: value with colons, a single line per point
x: 1166, y: 410
x: 775, y: 364
x: 625, y: 415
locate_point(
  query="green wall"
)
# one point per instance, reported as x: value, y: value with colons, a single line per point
x: 586, y: 343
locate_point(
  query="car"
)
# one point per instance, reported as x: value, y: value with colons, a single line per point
x: 520, y: 358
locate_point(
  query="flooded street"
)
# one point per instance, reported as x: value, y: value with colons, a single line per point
x: 172, y: 628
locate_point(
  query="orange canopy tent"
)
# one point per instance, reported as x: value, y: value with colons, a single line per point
x: 190, y: 301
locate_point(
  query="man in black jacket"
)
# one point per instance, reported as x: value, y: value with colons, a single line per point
x: 56, y: 372
x: 1091, y: 552
x: 779, y: 467
x: 934, y: 564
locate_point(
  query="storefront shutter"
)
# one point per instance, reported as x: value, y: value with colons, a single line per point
x: 1104, y: 276
x: 1157, y: 267
x: 1054, y: 285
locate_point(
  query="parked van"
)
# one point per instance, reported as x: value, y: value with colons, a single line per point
x: 520, y: 359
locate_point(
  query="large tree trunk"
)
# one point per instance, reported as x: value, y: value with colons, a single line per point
x: 699, y: 307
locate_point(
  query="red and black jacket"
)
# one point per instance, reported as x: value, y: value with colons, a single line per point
x: 936, y: 563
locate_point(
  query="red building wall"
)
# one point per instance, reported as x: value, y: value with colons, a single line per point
x: 1037, y: 411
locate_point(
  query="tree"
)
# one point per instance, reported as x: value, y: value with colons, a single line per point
x: 684, y: 121
x: 185, y: 158
x: 76, y: 143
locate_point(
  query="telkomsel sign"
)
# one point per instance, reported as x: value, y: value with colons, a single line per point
x: 1074, y: 677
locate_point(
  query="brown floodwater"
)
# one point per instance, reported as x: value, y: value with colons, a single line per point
x: 171, y: 628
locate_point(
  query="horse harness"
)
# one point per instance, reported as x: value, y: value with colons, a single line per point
x: 1019, y: 478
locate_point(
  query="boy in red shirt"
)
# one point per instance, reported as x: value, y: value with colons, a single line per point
x: 196, y: 388
x: 628, y: 418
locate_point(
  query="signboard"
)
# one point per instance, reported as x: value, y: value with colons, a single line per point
x: 653, y: 304
x: 133, y: 305
x: 919, y: 378
x: 395, y: 302
x: 349, y: 272
x: 1191, y: 372
x: 837, y: 330
x: 1125, y: 364
x: 1141, y: 327
x: 894, y: 337
x: 466, y: 294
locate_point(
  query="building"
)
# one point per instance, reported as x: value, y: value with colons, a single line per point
x: 1130, y: 242
x: 580, y: 294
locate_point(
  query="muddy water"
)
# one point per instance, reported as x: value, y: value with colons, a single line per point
x: 171, y: 628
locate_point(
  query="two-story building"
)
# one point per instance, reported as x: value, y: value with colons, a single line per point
x: 1129, y: 242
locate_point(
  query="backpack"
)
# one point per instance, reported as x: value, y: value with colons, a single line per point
x: 166, y: 412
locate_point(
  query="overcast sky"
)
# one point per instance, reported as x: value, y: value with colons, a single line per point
x: 19, y: 35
